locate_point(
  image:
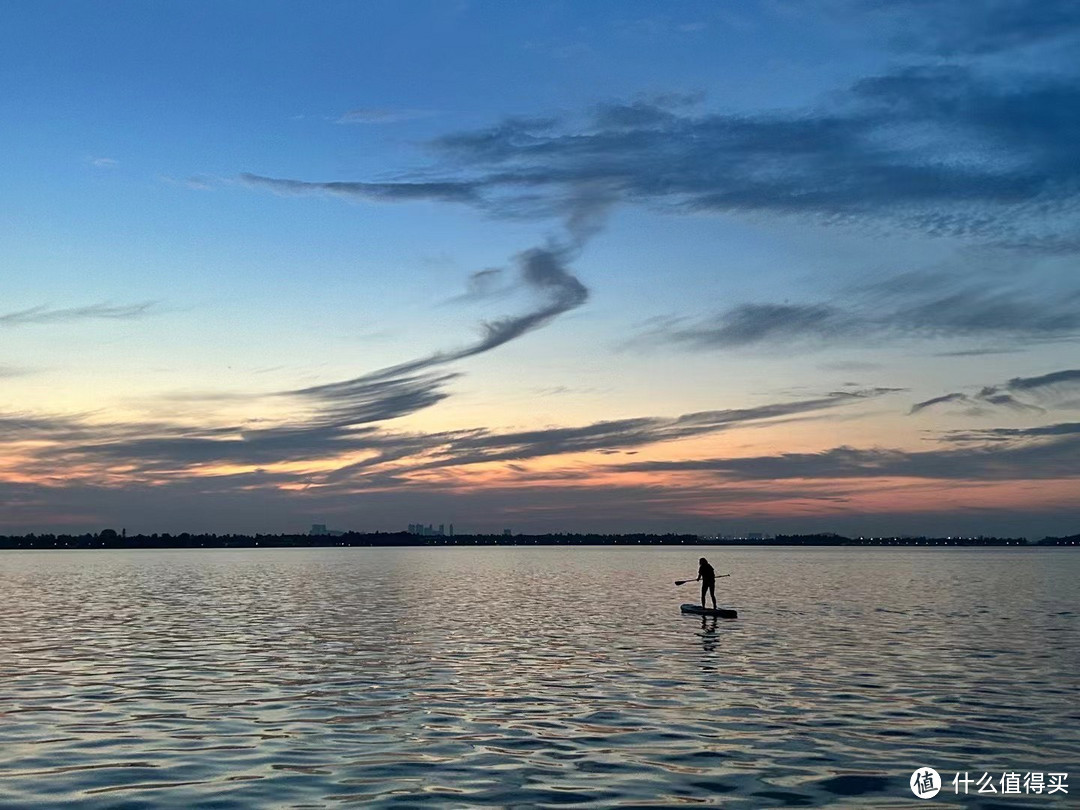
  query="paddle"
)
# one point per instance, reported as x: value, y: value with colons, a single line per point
x: 684, y: 581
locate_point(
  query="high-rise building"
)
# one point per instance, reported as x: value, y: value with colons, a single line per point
x: 426, y: 531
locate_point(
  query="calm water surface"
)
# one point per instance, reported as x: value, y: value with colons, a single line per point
x: 480, y: 677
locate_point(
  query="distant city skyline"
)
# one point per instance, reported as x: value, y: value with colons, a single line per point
x: 562, y: 267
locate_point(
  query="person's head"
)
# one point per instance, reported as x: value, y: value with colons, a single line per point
x: 703, y: 561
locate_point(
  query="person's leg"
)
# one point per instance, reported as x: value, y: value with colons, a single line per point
x: 704, y: 588
x: 712, y: 593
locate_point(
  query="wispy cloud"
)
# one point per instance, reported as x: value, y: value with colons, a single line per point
x: 983, y: 352
x: 748, y: 324
x: 1055, y: 381
x: 1052, y: 458
x: 197, y: 182
x: 375, y: 397
x: 345, y: 424
x: 484, y: 447
x: 49, y: 315
x: 542, y: 270
x: 1045, y: 389
x: 944, y: 399
x: 1002, y: 155
x: 486, y: 283
x: 449, y: 191
x: 410, y: 386
x: 961, y: 305
x: 107, y: 461
x: 104, y: 162
x: 948, y: 151
x: 381, y: 115
x: 1013, y: 435
x: 341, y: 417
x: 992, y: 160
x: 942, y: 27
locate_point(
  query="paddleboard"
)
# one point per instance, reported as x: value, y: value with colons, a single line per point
x: 723, y: 613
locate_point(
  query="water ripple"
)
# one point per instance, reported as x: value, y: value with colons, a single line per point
x: 315, y: 678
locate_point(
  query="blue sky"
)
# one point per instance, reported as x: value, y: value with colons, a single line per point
x: 552, y: 266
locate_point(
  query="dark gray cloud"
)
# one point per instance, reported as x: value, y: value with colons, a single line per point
x: 544, y: 271
x: 481, y: 446
x: 981, y: 313
x: 749, y: 324
x: 35, y: 427
x: 983, y: 352
x: 1054, y: 381
x: 945, y: 150
x: 1052, y: 458
x: 50, y: 315
x: 1013, y: 434
x: 375, y: 397
x: 159, y: 459
x: 959, y: 305
x: 399, y: 390
x: 654, y: 110
x: 340, y: 411
x: 942, y: 400
x: 1047, y: 388
x: 1003, y: 400
x: 989, y: 157
x: 154, y: 449
x: 448, y: 191
x: 409, y: 386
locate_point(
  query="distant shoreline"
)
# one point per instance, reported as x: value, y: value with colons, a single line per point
x: 109, y: 539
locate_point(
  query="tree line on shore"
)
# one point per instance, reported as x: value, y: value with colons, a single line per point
x: 109, y: 538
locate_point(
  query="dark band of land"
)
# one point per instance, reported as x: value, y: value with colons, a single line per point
x: 110, y: 539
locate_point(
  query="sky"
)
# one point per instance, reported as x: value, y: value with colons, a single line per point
x: 707, y: 267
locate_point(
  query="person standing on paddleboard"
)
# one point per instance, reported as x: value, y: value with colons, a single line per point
x: 707, y: 576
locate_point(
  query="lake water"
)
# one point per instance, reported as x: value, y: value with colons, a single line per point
x: 514, y: 677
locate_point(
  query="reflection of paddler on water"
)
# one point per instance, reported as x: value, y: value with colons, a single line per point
x: 708, y: 635
x: 707, y: 577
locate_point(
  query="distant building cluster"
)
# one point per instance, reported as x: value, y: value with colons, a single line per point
x: 320, y: 530
x: 421, y: 530
x: 752, y: 536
